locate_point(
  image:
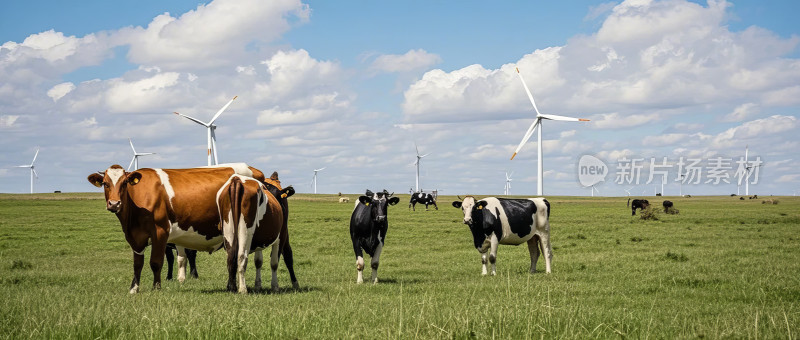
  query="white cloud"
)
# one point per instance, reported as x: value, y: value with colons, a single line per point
x: 742, y: 112
x: 759, y: 128
x: 140, y: 95
x: 60, y: 90
x: 791, y: 178
x: 211, y: 35
x: 412, y: 60
x: 668, y: 139
x: 618, y: 121
x: 8, y: 121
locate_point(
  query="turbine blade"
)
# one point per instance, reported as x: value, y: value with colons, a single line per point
x: 530, y: 96
x: 34, y: 173
x: 130, y: 165
x: 424, y: 155
x: 132, y: 148
x: 34, y: 156
x: 526, y: 137
x: 192, y: 119
x: 145, y: 153
x: 416, y: 148
x: 22, y: 166
x: 564, y: 118
x: 221, y: 110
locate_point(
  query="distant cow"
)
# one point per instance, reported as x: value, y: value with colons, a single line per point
x: 667, y: 205
x: 368, y: 225
x: 251, y: 219
x: 344, y: 199
x: 422, y: 198
x: 638, y: 204
x: 494, y: 221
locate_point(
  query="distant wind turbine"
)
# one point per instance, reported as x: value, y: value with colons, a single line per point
x: 30, y: 166
x: 416, y: 163
x: 538, y: 122
x: 212, y: 139
x: 508, y: 182
x: 314, y: 181
x: 748, y: 170
x: 629, y: 191
x: 594, y: 189
x: 135, y: 159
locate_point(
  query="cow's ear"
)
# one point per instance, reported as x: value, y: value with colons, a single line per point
x: 365, y: 199
x: 480, y: 205
x: 457, y: 204
x: 96, y: 179
x: 134, y: 178
x: 394, y: 200
x: 288, y: 192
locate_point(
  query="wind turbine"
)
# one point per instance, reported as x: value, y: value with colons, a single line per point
x: 30, y: 166
x: 212, y: 139
x: 135, y: 160
x: 417, y: 162
x: 538, y: 122
x: 508, y: 182
x: 594, y: 189
x: 629, y: 191
x: 314, y: 181
x: 748, y: 170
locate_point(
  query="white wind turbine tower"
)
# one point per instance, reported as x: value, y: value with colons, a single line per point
x: 30, y: 166
x: 508, y: 182
x: 212, y: 139
x: 135, y: 160
x: 538, y: 122
x: 748, y: 170
x: 594, y: 189
x: 417, y: 163
x: 314, y: 180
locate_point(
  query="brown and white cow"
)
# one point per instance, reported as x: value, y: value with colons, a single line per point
x: 157, y: 206
x: 251, y: 219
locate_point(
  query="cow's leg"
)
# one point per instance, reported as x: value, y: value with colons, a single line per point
x: 233, y: 249
x: 633, y: 211
x: 138, y: 263
x: 181, y: 263
x: 274, y: 260
x: 375, y: 261
x: 359, y: 260
x: 547, y: 250
x: 435, y: 205
x: 245, y: 238
x: 191, y: 255
x: 258, y: 259
x: 483, y: 263
x: 157, y: 255
x: 493, y: 254
x: 288, y: 260
x: 533, y: 249
x: 170, y: 259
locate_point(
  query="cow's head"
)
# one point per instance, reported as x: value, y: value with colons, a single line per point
x: 378, y: 204
x: 288, y: 192
x: 474, y: 218
x: 470, y: 208
x: 114, y: 182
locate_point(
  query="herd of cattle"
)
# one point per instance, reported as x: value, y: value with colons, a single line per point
x: 236, y: 207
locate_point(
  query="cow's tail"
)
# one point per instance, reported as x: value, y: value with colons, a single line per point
x: 546, y: 203
x: 629, y: 202
x: 236, y: 194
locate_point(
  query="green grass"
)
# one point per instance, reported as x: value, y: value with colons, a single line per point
x: 722, y: 268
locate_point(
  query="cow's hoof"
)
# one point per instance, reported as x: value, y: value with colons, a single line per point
x: 134, y: 289
x: 375, y: 281
x: 295, y: 285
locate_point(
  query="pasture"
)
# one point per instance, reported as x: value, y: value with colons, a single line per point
x: 722, y: 268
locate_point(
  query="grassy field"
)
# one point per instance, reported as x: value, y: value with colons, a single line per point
x: 722, y: 268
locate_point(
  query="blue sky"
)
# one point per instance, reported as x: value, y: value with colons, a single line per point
x: 352, y: 85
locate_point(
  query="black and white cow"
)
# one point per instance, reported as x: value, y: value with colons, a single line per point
x: 494, y: 221
x: 638, y: 204
x: 422, y: 198
x: 368, y: 225
x: 191, y: 255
